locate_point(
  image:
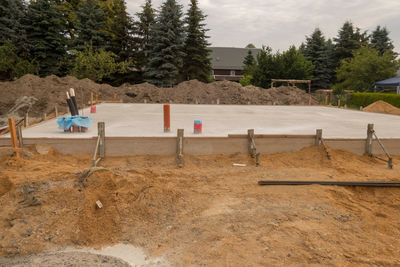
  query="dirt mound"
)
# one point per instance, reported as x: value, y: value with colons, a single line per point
x: 382, y: 107
x: 50, y: 91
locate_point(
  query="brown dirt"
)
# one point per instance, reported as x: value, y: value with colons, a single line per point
x: 208, y: 213
x: 50, y: 91
x: 382, y: 107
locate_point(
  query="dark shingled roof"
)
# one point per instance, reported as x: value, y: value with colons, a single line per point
x: 230, y: 58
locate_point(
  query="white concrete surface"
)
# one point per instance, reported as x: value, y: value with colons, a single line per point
x: 221, y: 120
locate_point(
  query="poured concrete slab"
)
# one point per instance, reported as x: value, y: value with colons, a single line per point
x: 146, y: 120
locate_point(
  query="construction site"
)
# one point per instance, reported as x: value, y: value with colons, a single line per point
x: 197, y: 175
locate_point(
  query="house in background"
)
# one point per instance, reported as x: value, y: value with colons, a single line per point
x: 227, y: 62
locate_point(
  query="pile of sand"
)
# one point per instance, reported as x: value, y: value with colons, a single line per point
x: 50, y: 91
x: 382, y: 107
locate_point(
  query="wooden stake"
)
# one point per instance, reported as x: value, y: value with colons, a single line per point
x: 217, y: 101
x: 91, y: 98
x: 368, y: 143
x: 102, y: 144
x: 44, y: 116
x: 318, y: 137
x: 26, y: 120
x: 13, y: 134
x: 115, y: 97
x: 56, y: 111
x: 326, y: 100
x: 179, y: 148
x: 251, y: 143
x: 97, y: 98
x: 19, y: 136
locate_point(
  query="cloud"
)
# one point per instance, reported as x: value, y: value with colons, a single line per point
x: 281, y: 23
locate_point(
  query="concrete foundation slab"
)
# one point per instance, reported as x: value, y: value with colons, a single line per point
x: 146, y: 120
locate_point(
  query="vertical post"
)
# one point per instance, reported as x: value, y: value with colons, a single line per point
x: 145, y: 101
x: 309, y: 93
x: 56, y: 111
x: 167, y: 118
x: 97, y: 98
x: 19, y: 136
x: 91, y: 98
x: 368, y: 144
x: 361, y: 108
x: 102, y: 144
x: 115, y: 97
x: 251, y: 143
x: 326, y: 99
x: 179, y: 149
x: 26, y: 120
x: 44, y: 116
x: 318, y: 137
x: 13, y: 134
x: 338, y: 103
x: 217, y: 101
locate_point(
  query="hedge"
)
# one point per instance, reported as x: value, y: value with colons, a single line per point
x: 365, y: 99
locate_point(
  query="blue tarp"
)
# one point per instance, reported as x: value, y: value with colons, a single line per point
x: 65, y: 123
x: 389, y: 82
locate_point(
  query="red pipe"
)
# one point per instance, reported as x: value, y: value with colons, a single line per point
x: 167, y: 118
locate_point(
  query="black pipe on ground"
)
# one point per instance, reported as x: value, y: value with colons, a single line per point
x: 73, y: 100
x: 70, y: 105
x: 338, y: 183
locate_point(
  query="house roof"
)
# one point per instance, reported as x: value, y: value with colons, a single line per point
x: 230, y: 58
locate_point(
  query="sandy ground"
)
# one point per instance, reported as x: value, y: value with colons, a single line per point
x: 207, y: 214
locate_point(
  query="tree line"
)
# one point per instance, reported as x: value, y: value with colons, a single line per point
x: 353, y: 60
x: 98, y: 39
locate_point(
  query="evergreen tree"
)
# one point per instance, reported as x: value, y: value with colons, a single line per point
x: 119, y: 27
x: 146, y: 19
x: 318, y: 51
x: 47, y: 42
x: 380, y: 40
x: 12, y: 14
x: 249, y: 60
x: 196, y: 63
x: 90, y: 26
x: 348, y: 40
x: 166, y: 46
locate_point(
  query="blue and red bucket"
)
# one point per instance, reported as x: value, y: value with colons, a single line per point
x: 198, y: 127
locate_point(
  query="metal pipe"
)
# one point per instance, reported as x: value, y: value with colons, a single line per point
x: 338, y: 183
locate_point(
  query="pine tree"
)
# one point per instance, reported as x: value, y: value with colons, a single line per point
x: 90, y: 26
x: 249, y: 62
x: 249, y: 59
x: 380, y: 40
x: 196, y: 63
x: 146, y: 19
x: 119, y: 27
x: 166, y: 46
x: 47, y: 42
x: 12, y: 14
x: 348, y: 40
x: 318, y: 51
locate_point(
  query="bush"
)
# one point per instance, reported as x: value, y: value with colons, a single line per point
x: 246, y: 80
x: 365, y: 99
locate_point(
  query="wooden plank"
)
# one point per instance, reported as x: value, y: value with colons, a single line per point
x: 13, y: 134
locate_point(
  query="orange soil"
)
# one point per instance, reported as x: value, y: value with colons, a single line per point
x: 382, y: 107
x: 208, y: 213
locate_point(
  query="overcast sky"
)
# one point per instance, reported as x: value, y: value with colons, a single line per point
x: 281, y: 23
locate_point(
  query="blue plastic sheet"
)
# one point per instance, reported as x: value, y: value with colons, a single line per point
x: 65, y: 123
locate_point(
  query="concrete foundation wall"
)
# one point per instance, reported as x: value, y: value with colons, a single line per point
x: 266, y: 144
